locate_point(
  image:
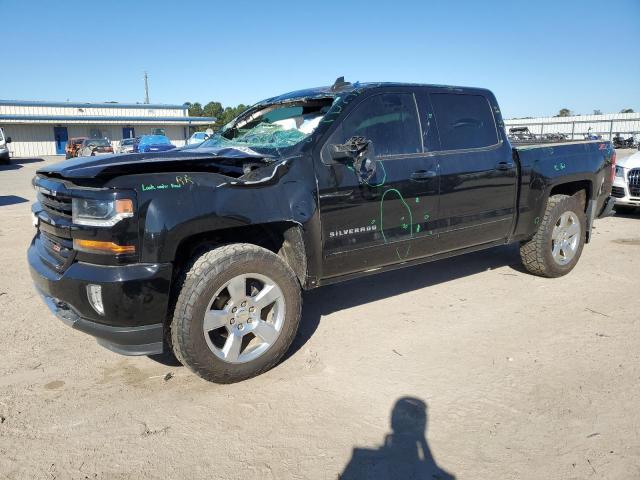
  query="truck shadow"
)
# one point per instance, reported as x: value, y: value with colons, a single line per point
x: 404, y: 453
x: 333, y: 298
x: 11, y: 200
x: 17, y: 163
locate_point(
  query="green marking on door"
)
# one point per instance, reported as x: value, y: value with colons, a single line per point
x: 406, y: 206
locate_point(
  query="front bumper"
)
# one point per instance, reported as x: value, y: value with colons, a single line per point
x: 135, y: 299
x: 622, y: 194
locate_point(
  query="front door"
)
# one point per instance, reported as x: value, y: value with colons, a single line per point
x: 60, y: 136
x: 128, y: 132
x: 372, y: 221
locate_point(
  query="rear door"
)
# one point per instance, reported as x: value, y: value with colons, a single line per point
x: 368, y: 223
x: 478, y: 177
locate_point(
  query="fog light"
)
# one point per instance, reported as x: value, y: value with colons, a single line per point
x: 94, y: 294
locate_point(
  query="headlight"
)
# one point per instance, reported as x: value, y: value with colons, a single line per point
x: 100, y: 213
x: 619, y: 172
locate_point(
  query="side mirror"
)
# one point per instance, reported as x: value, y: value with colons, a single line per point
x: 350, y: 150
x: 8, y: 140
x: 358, y: 153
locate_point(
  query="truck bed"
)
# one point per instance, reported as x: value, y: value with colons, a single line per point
x: 545, y: 144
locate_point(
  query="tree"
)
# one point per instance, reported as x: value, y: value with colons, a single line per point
x: 195, y: 109
x: 213, y: 109
x: 223, y: 115
x: 564, y: 112
x: 627, y: 110
x: 597, y: 112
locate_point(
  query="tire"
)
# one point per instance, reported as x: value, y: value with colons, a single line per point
x: 202, y: 289
x: 537, y: 254
x: 5, y: 159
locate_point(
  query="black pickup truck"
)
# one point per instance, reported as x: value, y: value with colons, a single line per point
x: 205, y: 251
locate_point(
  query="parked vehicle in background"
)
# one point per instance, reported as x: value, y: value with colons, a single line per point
x: 126, y: 145
x: 4, y: 147
x: 619, y: 142
x: 626, y: 184
x: 91, y: 147
x: 592, y: 136
x: 152, y: 143
x: 206, y: 250
x: 73, y: 145
x: 197, y: 137
x: 521, y: 134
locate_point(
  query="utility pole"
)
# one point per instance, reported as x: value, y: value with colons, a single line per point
x: 146, y: 88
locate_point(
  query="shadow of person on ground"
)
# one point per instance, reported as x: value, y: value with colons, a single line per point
x: 405, y: 453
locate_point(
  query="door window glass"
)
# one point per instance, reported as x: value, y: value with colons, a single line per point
x: 464, y: 121
x: 389, y: 120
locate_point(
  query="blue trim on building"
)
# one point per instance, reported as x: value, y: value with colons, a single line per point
x: 37, y: 103
x: 64, y: 118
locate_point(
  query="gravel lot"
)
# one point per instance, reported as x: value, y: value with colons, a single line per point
x: 510, y: 376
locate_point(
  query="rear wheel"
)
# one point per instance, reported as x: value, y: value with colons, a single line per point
x: 237, y: 313
x: 557, y: 245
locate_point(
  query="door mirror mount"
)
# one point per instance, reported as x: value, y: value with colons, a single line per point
x: 8, y: 140
x: 350, y: 150
x: 357, y: 152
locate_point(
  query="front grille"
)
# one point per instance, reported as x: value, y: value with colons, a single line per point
x: 59, y: 248
x: 634, y: 182
x: 56, y: 251
x: 617, y: 192
x: 55, y: 205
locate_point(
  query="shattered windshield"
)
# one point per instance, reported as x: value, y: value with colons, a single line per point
x: 272, y: 128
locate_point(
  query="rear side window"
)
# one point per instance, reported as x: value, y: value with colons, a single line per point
x: 464, y: 121
x: 389, y: 120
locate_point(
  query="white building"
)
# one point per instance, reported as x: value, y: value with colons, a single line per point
x: 43, y: 128
x: 576, y: 126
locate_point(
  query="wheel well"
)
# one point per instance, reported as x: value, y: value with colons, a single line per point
x: 282, y: 238
x: 581, y: 189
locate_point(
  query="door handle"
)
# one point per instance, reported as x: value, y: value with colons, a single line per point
x: 422, y: 175
x: 504, y: 166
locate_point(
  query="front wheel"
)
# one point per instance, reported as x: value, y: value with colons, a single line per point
x: 557, y: 245
x: 237, y: 313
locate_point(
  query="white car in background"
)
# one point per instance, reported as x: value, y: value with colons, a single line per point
x: 126, y: 145
x: 626, y: 184
x: 197, y: 137
x: 4, y: 147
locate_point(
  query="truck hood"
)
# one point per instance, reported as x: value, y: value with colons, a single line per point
x: 630, y: 162
x: 228, y: 161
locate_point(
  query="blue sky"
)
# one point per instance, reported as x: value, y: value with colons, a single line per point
x: 537, y: 56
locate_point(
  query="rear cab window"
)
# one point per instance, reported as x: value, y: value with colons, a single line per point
x: 464, y: 121
x: 389, y: 120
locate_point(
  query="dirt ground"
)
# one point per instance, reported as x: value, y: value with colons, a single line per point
x: 490, y: 373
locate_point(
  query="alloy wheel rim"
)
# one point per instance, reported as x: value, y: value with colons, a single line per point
x: 244, y: 318
x: 565, y: 238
